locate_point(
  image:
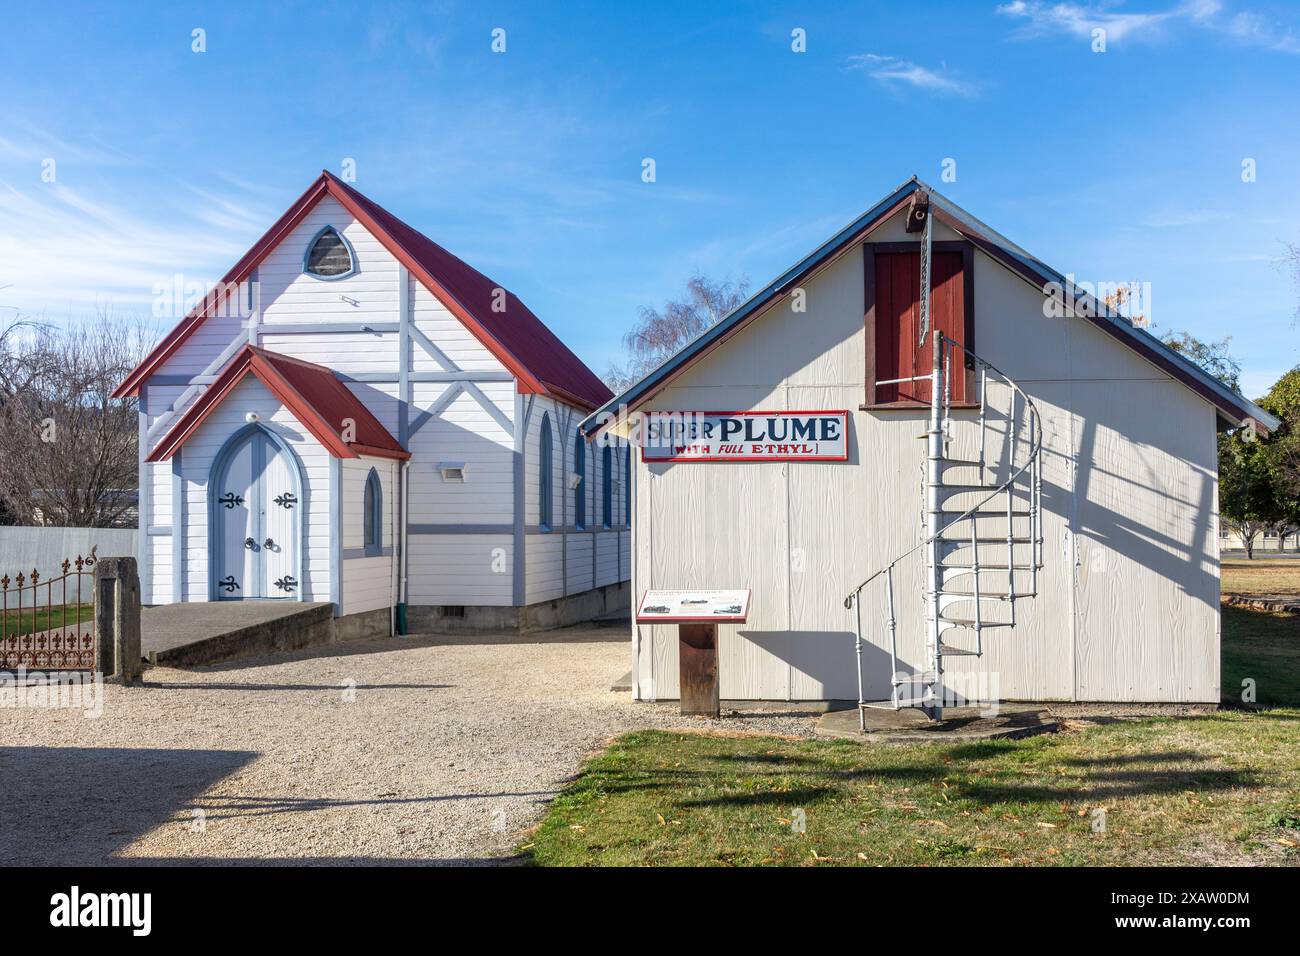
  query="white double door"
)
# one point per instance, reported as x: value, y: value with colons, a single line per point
x: 258, y: 515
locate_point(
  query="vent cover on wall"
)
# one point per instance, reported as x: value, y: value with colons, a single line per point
x: 452, y: 471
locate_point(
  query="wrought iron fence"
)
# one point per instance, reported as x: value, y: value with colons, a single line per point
x: 57, y: 633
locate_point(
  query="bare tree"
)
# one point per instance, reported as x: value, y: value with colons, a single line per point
x: 67, y: 450
x: 660, y: 333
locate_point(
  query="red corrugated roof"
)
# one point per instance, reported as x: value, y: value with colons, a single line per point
x: 320, y: 401
x: 519, y: 340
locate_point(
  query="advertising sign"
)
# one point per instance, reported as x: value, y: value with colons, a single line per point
x: 745, y: 436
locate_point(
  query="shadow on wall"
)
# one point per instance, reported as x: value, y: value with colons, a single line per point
x: 1142, y: 543
x: 807, y: 652
x: 86, y: 804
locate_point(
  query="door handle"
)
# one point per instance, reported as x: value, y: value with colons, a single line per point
x: 268, y: 543
x: 250, y: 544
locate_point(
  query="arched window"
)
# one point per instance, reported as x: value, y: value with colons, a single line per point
x: 329, y: 256
x: 372, y: 508
x: 606, y: 487
x: 544, y: 475
x: 580, y: 481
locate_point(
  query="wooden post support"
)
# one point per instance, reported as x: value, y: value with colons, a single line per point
x: 697, y: 651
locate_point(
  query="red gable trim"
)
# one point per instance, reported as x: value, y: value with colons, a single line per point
x: 354, y: 203
x: 238, y: 273
x: 263, y: 365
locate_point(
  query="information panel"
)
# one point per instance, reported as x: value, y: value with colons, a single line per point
x: 745, y: 436
x: 672, y: 607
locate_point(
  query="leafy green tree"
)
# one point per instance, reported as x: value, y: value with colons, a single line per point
x: 1259, y: 475
x: 1281, y: 453
x: 1246, y: 490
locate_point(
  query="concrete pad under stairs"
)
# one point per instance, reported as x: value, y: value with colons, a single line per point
x: 959, y: 724
x: 193, y: 634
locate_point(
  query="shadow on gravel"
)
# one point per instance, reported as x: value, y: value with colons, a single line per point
x: 65, y: 806
x: 221, y: 807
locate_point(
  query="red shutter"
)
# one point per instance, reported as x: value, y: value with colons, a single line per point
x: 898, y: 318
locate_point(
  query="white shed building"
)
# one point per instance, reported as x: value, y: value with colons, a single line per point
x: 355, y: 415
x: 1110, y: 560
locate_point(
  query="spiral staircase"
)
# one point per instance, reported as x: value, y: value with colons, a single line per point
x: 981, y: 527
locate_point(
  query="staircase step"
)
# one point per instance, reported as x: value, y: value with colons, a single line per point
x: 924, y: 677
x: 985, y: 595
x: 963, y: 462
x: 993, y: 540
x: 988, y: 567
x: 970, y: 622
x: 913, y: 702
x: 991, y: 513
x: 970, y: 489
x: 958, y: 652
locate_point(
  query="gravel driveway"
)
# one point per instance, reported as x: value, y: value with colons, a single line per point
x: 426, y: 749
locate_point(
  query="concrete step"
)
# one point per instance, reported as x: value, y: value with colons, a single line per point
x: 210, y: 632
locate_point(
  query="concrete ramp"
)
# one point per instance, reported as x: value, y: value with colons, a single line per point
x: 188, y: 635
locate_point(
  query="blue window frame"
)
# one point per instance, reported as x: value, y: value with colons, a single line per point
x: 606, y: 487
x: 329, y: 256
x: 545, y: 471
x: 373, y: 515
x: 580, y: 486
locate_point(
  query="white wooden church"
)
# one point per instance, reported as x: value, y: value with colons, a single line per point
x: 355, y: 415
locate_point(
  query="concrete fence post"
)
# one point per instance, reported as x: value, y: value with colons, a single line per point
x: 117, y: 619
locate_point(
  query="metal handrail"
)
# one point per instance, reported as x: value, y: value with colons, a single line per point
x: 1036, y: 449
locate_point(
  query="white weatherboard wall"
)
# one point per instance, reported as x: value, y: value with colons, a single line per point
x: 1128, y: 600
x: 369, y: 581
x: 560, y: 559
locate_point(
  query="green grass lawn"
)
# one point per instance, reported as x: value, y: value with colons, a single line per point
x: 1263, y: 574
x: 1265, y: 647
x: 1215, y: 788
x: 29, y: 621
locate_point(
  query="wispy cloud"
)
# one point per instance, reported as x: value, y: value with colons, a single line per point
x: 65, y: 253
x: 1083, y: 20
x: 895, y: 72
x: 1254, y: 29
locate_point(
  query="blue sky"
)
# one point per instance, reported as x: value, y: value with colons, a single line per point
x: 1114, y: 166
